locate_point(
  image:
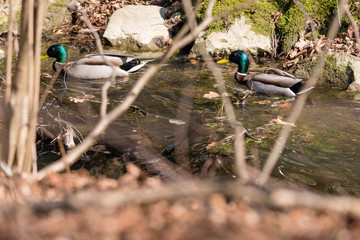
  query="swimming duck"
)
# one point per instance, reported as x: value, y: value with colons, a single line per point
x: 93, y: 66
x: 273, y: 80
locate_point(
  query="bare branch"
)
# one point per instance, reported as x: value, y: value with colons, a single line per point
x: 298, y: 106
x: 239, y: 145
x: 104, y: 122
x: 9, y: 52
x: 353, y: 23
x: 278, y: 198
x: 309, y: 19
x: 104, y: 98
x: 50, y: 85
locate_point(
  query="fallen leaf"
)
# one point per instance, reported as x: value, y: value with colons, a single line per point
x: 193, y: 61
x: 211, y: 145
x: 176, y: 121
x: 286, y: 105
x: 262, y: 101
x: 281, y: 104
x: 279, y: 121
x: 211, y: 95
x: 79, y: 99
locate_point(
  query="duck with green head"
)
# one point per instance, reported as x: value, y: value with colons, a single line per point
x: 272, y: 81
x: 93, y: 66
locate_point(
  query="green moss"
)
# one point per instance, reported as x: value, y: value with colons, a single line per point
x: 56, y: 11
x: 218, y: 127
x: 225, y: 149
x: 293, y: 21
x: 333, y: 75
x: 4, y: 17
x: 55, y: 15
x: 259, y: 13
x: 288, y: 26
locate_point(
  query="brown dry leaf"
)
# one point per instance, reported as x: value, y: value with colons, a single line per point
x: 279, y: 120
x: 193, y: 61
x: 211, y: 95
x: 292, y: 53
x: 211, y: 145
x: 262, y: 102
x: 107, y: 183
x: 79, y: 99
x: 286, y: 105
x: 89, y: 96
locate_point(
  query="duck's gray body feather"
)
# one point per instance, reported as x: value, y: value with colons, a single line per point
x: 95, y: 67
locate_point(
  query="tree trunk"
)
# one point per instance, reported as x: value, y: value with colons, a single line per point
x: 19, y: 129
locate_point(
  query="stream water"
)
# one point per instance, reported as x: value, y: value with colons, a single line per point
x: 322, y: 152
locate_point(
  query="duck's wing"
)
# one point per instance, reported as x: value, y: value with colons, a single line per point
x: 136, y: 67
x: 97, y: 59
x: 126, y: 63
x: 276, y: 77
x: 269, y: 88
x: 279, y: 72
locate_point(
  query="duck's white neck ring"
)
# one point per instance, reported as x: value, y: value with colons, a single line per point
x: 242, y: 74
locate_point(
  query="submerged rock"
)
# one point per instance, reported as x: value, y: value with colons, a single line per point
x: 138, y: 27
x: 238, y: 36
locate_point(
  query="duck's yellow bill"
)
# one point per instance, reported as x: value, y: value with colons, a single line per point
x: 44, y: 56
x: 225, y: 60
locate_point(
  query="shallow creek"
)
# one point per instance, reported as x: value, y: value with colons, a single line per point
x: 322, y: 152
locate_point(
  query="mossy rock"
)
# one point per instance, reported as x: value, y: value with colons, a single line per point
x: 289, y: 26
x: 4, y: 14
x: 293, y: 20
x: 55, y: 14
x: 337, y: 71
x: 259, y: 13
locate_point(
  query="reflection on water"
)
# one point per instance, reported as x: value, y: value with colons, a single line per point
x: 325, y: 148
x: 322, y: 151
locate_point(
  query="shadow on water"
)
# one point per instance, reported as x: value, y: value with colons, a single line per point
x: 172, y: 117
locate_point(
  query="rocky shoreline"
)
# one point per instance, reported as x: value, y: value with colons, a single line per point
x: 136, y: 34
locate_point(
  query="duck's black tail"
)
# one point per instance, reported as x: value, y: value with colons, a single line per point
x: 129, y: 65
x: 298, y: 88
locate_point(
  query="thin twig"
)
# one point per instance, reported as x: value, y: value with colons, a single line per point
x: 50, y: 85
x: 309, y: 19
x: 239, y: 145
x: 353, y: 23
x: 179, y: 41
x: 104, y: 98
x: 9, y: 52
x: 298, y: 107
x: 279, y: 198
x: 63, y: 152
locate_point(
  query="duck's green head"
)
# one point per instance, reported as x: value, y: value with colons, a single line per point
x: 241, y: 59
x: 58, y: 52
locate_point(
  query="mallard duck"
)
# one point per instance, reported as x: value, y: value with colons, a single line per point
x: 273, y: 80
x: 93, y: 66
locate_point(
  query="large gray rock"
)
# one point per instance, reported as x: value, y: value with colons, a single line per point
x: 341, y: 70
x: 138, y: 27
x: 355, y: 67
x: 238, y: 36
x: 351, y: 66
x: 2, y: 54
